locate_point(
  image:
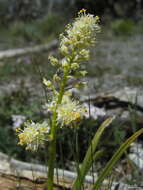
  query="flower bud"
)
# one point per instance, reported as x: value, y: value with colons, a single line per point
x: 80, y: 85
x: 74, y: 66
x: 83, y: 73
x: 65, y: 63
x: 64, y: 50
x: 70, y: 77
x: 54, y: 61
x: 56, y: 78
x: 84, y: 54
x: 47, y: 83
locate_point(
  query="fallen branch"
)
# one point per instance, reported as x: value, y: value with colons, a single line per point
x: 35, y: 172
x: 22, y: 51
x: 111, y: 102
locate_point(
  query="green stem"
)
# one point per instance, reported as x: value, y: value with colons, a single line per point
x: 52, y: 146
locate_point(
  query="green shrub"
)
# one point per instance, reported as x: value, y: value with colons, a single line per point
x: 123, y: 27
x: 38, y: 30
x: 51, y: 24
x: 28, y: 31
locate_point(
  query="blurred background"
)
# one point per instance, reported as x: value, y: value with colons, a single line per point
x: 34, y: 20
x: 115, y: 73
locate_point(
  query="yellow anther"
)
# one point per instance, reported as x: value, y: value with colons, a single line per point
x: 82, y: 11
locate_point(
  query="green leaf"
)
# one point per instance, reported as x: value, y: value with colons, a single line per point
x: 114, y: 159
x: 90, y: 155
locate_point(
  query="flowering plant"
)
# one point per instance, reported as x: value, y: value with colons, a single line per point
x: 74, y: 47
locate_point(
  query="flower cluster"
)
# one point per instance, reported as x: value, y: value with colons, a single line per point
x: 76, y: 41
x: 68, y: 112
x: 33, y: 135
x: 75, y: 48
x: 81, y: 34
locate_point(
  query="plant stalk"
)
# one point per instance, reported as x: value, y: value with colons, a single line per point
x: 52, y: 145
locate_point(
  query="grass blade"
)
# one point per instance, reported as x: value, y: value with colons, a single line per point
x: 90, y: 156
x: 114, y: 159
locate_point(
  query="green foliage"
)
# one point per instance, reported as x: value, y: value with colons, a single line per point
x: 31, y: 9
x: 11, y: 70
x: 27, y: 31
x: 15, y: 9
x: 8, y: 144
x: 4, y: 15
x: 18, y: 102
x: 39, y: 30
x: 123, y: 27
x: 26, y: 67
x: 140, y: 26
x: 51, y: 24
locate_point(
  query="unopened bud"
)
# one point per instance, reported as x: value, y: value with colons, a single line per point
x: 80, y: 85
x: 65, y: 63
x: 56, y: 78
x: 64, y: 50
x: 74, y: 66
x: 54, y: 61
x: 47, y: 83
x: 83, y: 73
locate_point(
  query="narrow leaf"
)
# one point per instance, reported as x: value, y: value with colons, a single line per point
x: 89, y: 157
x: 109, y: 166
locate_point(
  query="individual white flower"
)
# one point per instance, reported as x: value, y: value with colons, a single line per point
x: 56, y: 78
x: 64, y: 63
x: 47, y: 83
